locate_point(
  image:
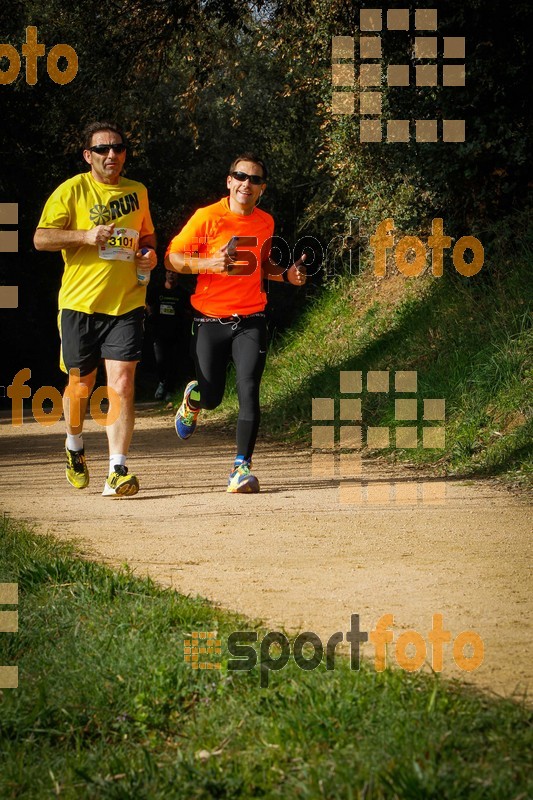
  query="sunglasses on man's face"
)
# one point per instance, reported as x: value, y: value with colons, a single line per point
x: 103, y: 149
x: 257, y: 180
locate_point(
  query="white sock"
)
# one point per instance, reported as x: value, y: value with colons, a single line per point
x: 116, y: 460
x: 75, y: 441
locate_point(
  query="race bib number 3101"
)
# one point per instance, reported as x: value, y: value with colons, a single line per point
x: 122, y: 246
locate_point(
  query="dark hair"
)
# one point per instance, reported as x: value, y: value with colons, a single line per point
x: 95, y: 127
x: 249, y: 157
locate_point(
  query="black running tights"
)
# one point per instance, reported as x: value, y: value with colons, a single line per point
x: 215, y: 344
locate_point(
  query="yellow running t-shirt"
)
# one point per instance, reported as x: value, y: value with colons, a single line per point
x: 100, y: 279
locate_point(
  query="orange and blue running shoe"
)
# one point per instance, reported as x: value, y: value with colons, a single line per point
x: 241, y: 479
x: 185, y: 421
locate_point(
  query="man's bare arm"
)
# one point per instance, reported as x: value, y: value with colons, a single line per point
x: 59, y: 239
x: 198, y: 265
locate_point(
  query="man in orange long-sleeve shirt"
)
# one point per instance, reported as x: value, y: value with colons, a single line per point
x: 227, y: 245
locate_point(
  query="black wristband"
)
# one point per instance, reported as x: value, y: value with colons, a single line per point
x: 285, y: 276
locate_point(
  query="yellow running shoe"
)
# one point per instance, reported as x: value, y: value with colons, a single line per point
x: 76, y: 471
x: 120, y: 484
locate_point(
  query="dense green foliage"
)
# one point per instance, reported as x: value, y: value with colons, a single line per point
x: 107, y: 708
x: 194, y: 82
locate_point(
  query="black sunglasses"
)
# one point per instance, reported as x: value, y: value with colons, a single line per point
x: 103, y: 149
x: 257, y: 180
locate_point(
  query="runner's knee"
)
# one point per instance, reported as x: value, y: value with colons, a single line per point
x: 210, y: 400
x: 122, y: 382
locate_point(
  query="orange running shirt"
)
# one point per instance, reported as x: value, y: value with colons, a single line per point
x: 208, y: 230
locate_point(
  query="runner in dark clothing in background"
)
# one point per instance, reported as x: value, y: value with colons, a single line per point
x: 169, y: 319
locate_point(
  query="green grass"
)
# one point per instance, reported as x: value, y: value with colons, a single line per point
x: 469, y: 339
x: 107, y: 708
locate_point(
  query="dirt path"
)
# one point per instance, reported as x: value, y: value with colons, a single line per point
x: 293, y: 556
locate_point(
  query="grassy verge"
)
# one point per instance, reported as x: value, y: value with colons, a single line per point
x: 469, y: 339
x: 107, y: 708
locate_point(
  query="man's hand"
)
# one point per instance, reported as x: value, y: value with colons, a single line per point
x: 218, y: 263
x: 297, y: 274
x: 100, y: 234
x: 146, y: 258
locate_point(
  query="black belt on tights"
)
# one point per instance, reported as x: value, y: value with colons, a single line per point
x: 235, y: 318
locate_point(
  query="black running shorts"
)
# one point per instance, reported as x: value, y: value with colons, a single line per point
x: 87, y: 338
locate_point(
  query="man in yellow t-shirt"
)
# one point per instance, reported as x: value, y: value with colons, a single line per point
x: 101, y: 223
x: 228, y: 245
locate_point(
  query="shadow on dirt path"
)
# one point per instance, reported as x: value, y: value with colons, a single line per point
x: 301, y: 555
